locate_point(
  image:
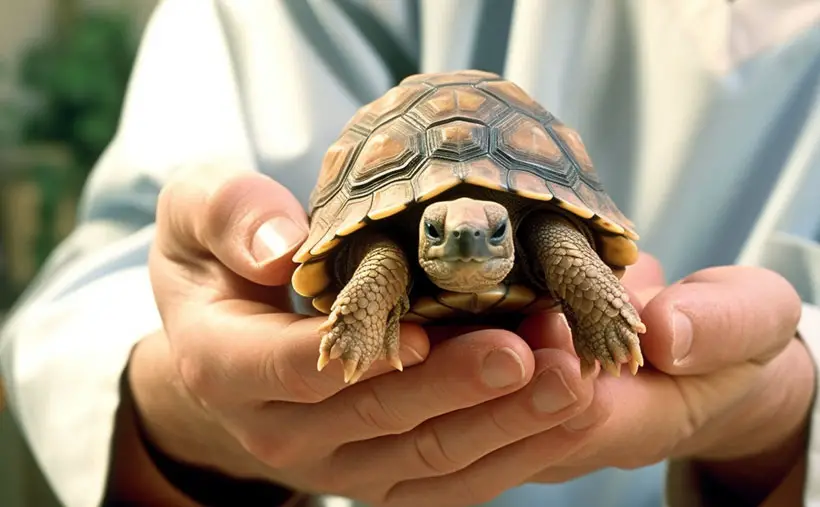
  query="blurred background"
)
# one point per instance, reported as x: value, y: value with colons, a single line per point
x: 64, y: 66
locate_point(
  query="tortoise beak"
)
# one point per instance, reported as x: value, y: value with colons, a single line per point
x: 466, y: 243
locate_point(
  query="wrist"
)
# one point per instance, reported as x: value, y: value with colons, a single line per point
x: 753, y: 464
x: 133, y: 479
x: 166, y: 415
x: 750, y: 480
x: 185, y: 445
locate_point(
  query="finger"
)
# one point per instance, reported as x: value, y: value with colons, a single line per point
x: 440, y: 333
x: 712, y: 416
x: 453, y: 441
x: 646, y: 272
x: 509, y: 466
x: 547, y: 330
x: 719, y: 317
x: 246, y: 220
x: 459, y: 373
x: 558, y: 474
x: 641, y: 297
x: 275, y: 360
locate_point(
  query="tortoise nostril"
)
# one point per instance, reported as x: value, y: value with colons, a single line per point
x: 456, y: 234
x: 476, y: 234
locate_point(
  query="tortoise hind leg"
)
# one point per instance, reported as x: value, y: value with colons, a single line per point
x: 363, y: 324
x: 604, y: 324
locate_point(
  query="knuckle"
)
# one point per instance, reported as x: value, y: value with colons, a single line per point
x: 377, y: 414
x: 592, y: 417
x: 276, y: 450
x: 341, y: 482
x: 431, y: 451
x: 198, y: 378
x: 227, y: 203
x: 651, y: 456
x: 164, y: 199
x: 477, y: 490
x: 213, y: 195
x: 292, y: 384
x: 503, y: 429
x: 167, y: 219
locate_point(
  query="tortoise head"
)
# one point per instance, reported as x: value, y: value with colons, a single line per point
x: 466, y: 245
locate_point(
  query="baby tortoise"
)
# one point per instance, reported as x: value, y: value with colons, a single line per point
x: 453, y: 195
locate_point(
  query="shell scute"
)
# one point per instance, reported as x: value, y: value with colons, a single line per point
x: 445, y: 78
x: 311, y: 278
x: 610, y: 210
x: 390, y: 105
x: 430, y: 309
x: 458, y: 140
x: 389, y: 148
x: 435, y: 177
x: 336, y: 159
x: 517, y: 97
x: 324, y: 303
x: 618, y: 250
x: 570, y: 201
x: 484, y: 172
x: 353, y: 215
x: 347, y: 221
x: 524, y: 140
x: 321, y: 218
x: 391, y: 199
x: 594, y: 202
x: 456, y: 102
x: 529, y: 185
x: 517, y: 297
x: 573, y: 143
x: 473, y: 303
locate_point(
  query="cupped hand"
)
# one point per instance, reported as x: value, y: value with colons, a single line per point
x: 231, y: 382
x: 479, y: 413
x: 727, y: 387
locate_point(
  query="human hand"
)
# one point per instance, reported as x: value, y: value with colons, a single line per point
x: 231, y: 382
x: 241, y: 391
x: 209, y: 387
x: 728, y: 387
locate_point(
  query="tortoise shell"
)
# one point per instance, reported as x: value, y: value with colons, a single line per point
x: 434, y: 132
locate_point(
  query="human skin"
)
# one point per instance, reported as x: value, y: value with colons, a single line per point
x: 231, y: 380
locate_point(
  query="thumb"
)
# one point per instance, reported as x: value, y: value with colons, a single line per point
x: 247, y: 221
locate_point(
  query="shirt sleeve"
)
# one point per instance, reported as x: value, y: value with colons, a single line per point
x: 66, y: 343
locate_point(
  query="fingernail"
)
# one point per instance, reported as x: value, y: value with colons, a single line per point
x: 681, y: 336
x: 552, y: 394
x: 413, y: 356
x: 502, y: 368
x: 275, y: 238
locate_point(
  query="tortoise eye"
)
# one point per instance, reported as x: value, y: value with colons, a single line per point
x: 431, y: 231
x: 499, y: 233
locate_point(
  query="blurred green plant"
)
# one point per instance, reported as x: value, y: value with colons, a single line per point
x: 9, y: 114
x: 73, y: 83
x: 77, y: 79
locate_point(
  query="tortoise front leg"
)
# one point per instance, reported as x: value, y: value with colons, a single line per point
x: 604, y: 324
x: 363, y: 325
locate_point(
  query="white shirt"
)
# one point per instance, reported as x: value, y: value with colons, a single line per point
x: 702, y: 116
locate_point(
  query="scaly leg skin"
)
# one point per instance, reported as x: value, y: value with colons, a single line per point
x: 604, y: 324
x: 363, y: 325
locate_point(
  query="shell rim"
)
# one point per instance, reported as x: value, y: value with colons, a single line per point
x: 596, y: 221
